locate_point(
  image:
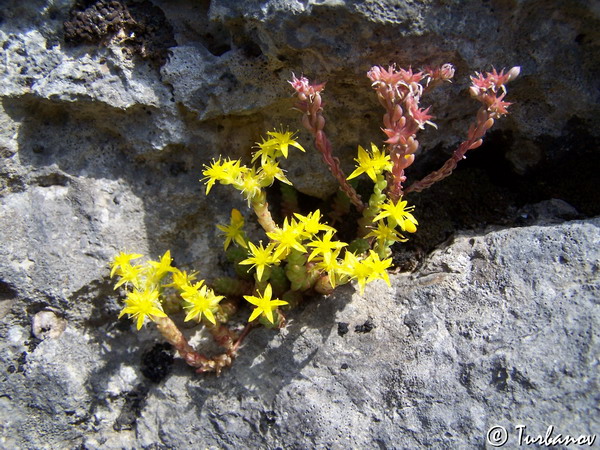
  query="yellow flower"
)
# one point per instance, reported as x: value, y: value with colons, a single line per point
x: 249, y: 184
x: 325, y: 246
x: 384, y: 233
x: 312, y: 223
x: 234, y: 232
x: 366, y: 270
x: 266, y: 150
x: 333, y: 266
x: 201, y: 302
x: 121, y: 260
x: 261, y: 258
x: 356, y: 269
x: 130, y: 274
x: 373, y: 164
x: 400, y: 214
x: 190, y: 289
x: 284, y: 140
x: 226, y: 172
x: 377, y: 267
x: 269, y: 171
x: 181, y: 279
x: 159, y: 269
x: 142, y: 304
x: 264, y: 304
x: 288, y: 237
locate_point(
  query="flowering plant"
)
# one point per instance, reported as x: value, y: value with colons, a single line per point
x: 303, y: 254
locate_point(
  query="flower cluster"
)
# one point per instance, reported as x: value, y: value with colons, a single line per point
x: 145, y: 296
x: 250, y: 180
x: 305, y: 248
x: 400, y: 91
x: 145, y: 285
x: 303, y: 254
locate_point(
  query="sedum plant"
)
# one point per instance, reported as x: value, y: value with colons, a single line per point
x: 303, y: 254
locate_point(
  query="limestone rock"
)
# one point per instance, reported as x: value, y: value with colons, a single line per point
x: 104, y: 131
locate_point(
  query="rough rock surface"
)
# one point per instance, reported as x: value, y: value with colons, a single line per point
x: 108, y: 111
x: 478, y: 337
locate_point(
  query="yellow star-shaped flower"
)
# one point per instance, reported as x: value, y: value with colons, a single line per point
x: 122, y: 260
x: 264, y: 304
x: 234, y: 232
x: 373, y: 164
x: 199, y: 302
x: 288, y: 237
x: 284, y: 140
x: 399, y: 214
x: 142, y: 304
x: 261, y: 258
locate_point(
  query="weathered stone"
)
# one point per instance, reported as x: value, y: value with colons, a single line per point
x: 102, y: 143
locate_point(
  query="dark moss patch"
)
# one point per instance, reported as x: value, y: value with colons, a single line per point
x: 140, y: 27
x: 366, y: 327
x: 157, y: 362
x: 342, y: 328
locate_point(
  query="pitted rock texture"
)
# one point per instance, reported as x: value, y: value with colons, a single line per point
x: 103, y: 137
x: 478, y: 337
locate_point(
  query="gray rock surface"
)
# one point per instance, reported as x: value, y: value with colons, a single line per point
x: 101, y: 147
x: 478, y: 337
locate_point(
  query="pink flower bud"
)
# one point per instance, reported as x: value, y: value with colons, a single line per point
x: 397, y: 113
x: 513, y: 73
x: 386, y: 121
x: 474, y: 91
x: 447, y: 71
x: 488, y: 124
x: 320, y: 122
x: 306, y: 122
x: 316, y: 102
x: 482, y: 115
x: 476, y: 144
x: 413, y: 147
x: 472, y: 131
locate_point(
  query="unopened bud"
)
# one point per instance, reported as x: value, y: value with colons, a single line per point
x: 414, y: 146
x: 397, y: 113
x: 447, y: 71
x: 472, y: 130
x: 476, y: 144
x: 482, y: 115
x: 513, y: 73
x: 306, y: 122
x: 474, y: 91
x: 316, y: 102
x: 386, y: 121
x: 320, y: 122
